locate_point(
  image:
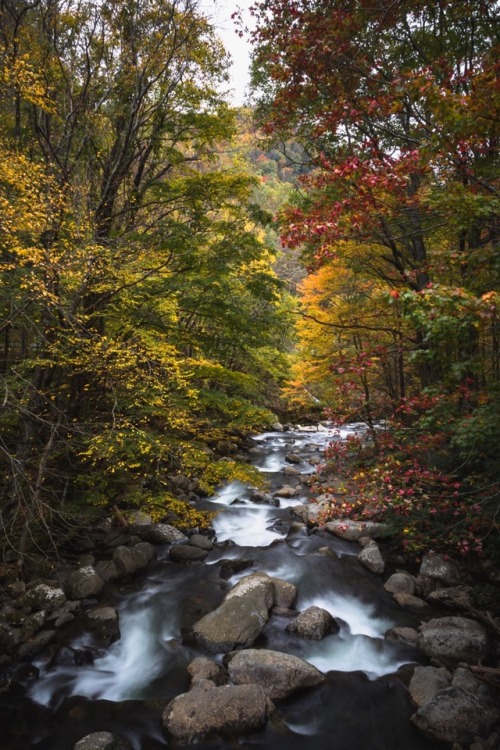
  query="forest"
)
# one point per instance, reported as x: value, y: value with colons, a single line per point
x: 178, y: 274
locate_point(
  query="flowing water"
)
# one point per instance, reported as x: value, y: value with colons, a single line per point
x: 363, y: 704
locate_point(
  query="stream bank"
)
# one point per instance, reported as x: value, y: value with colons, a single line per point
x: 82, y: 678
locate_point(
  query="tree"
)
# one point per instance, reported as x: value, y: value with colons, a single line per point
x: 138, y: 270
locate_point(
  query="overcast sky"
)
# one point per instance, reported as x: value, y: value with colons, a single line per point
x: 219, y: 11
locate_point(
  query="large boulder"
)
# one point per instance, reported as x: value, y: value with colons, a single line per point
x: 354, y: 530
x: 42, y: 596
x: 84, y: 583
x: 285, y: 593
x: 129, y: 560
x: 444, y: 571
x: 287, y: 492
x: 239, y: 620
x: 426, y: 682
x: 453, y: 639
x: 208, y: 711
x: 277, y: 673
x: 455, y: 597
x: 371, y: 558
x: 456, y: 715
x: 400, y: 583
x: 313, y: 623
x: 160, y: 533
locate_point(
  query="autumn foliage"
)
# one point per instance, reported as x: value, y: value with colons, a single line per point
x: 398, y: 107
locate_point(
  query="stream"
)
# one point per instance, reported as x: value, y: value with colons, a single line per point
x: 363, y: 704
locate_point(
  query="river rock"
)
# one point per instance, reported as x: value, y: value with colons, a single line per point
x: 456, y: 715
x: 453, y: 639
x: 161, y: 533
x: 371, y: 558
x: 287, y: 492
x: 37, y: 644
x: 293, y: 458
x: 456, y: 597
x: 186, y: 553
x: 103, y: 621
x: 426, y: 682
x: 285, y: 593
x: 261, y: 497
x: 238, y: 621
x: 279, y: 674
x: 202, y: 542
x: 424, y: 585
x: 102, y: 741
x: 129, y: 560
x: 291, y: 471
x: 413, y: 603
x: 409, y: 636
x: 444, y: 571
x: 202, y: 668
x: 354, y: 530
x: 229, y: 567
x: 42, y: 597
x: 313, y: 623
x: 208, y: 711
x: 107, y: 570
x: 84, y: 583
x: 400, y: 583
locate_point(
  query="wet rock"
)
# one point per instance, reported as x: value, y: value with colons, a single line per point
x: 313, y: 623
x: 400, y: 583
x: 239, y: 620
x: 208, y: 711
x: 293, y: 458
x: 371, y: 558
x: 102, y: 741
x: 426, y: 682
x: 412, y: 603
x: 456, y: 715
x: 408, y: 636
x: 261, y: 497
x: 186, y: 553
x: 203, y: 668
x: 279, y: 674
x: 15, y: 589
x: 229, y: 567
x: 354, y: 530
x: 161, y: 533
x: 200, y: 541
x: 63, y: 620
x: 37, y: 644
x: 456, y: 597
x: 287, y: 492
x: 317, y: 513
x: 445, y: 571
x: 277, y: 427
x: 103, y: 621
x: 454, y: 639
x: 84, y: 583
x: 42, y: 596
x: 285, y: 593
